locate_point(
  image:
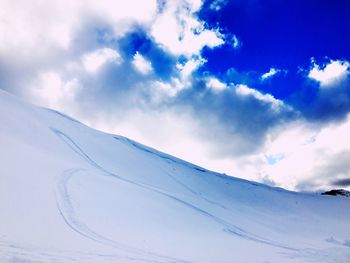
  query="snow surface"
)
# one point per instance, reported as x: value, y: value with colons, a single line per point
x: 69, y: 193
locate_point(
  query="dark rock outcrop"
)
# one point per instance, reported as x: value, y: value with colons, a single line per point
x: 337, y: 192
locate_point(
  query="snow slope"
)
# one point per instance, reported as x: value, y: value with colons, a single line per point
x: 69, y: 193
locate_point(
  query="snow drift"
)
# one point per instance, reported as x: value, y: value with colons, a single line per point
x: 69, y: 193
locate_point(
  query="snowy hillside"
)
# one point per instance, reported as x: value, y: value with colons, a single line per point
x: 69, y: 193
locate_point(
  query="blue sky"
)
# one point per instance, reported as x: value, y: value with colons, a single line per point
x: 255, y: 89
x: 281, y: 35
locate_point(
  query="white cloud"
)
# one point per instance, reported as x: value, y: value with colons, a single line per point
x: 215, y: 84
x: 141, y: 64
x: 37, y: 26
x: 40, y: 27
x: 93, y: 61
x: 51, y: 90
x: 51, y: 34
x: 272, y: 72
x: 185, y: 71
x: 161, y: 91
x: 306, y: 152
x: 244, y: 90
x: 26, y: 25
x: 332, y: 73
x: 115, y: 11
x: 190, y: 66
x: 60, y: 36
x: 177, y: 29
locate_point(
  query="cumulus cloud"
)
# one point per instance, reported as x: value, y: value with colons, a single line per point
x: 27, y: 25
x: 331, y: 100
x: 215, y: 84
x: 179, y: 32
x: 236, y: 120
x: 40, y: 36
x: 47, y: 36
x: 328, y: 75
x: 51, y: 90
x: 276, y: 104
x: 142, y: 64
x: 311, y: 158
x: 96, y: 59
x: 325, y: 96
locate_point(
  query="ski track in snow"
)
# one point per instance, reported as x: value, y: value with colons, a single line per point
x: 68, y: 213
x: 162, y: 156
x: 66, y: 209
